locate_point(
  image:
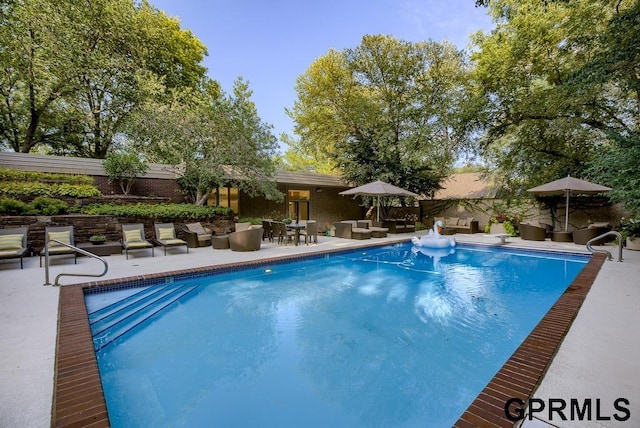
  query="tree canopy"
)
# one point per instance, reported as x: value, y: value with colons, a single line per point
x: 73, y: 71
x: 384, y: 110
x: 212, y: 138
x: 557, y: 90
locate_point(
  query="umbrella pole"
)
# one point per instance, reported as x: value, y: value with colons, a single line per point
x: 378, y: 208
x: 566, y: 214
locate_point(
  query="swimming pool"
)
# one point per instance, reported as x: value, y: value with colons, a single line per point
x: 382, y: 337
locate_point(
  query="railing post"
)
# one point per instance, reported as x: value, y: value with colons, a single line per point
x: 76, y: 249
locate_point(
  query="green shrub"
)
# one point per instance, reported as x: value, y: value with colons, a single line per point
x: 32, y: 188
x: 252, y: 220
x: 22, y: 176
x: 49, y: 206
x: 11, y: 206
x: 178, y: 211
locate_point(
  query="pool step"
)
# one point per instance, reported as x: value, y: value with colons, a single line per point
x: 125, y: 315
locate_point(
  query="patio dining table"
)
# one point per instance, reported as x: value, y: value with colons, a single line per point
x: 297, y: 227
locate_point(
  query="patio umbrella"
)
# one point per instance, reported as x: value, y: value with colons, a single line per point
x: 567, y: 186
x: 377, y: 189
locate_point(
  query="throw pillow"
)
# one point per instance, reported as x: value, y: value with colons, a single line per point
x: 132, y: 235
x: 165, y: 233
x: 60, y: 236
x: 11, y: 242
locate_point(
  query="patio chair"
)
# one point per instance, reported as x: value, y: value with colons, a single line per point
x: 62, y: 234
x: 133, y: 239
x: 13, y: 243
x: 246, y: 240
x: 284, y: 234
x: 267, y: 230
x: 196, y: 235
x: 310, y: 231
x: 530, y: 232
x: 166, y: 236
x: 582, y: 236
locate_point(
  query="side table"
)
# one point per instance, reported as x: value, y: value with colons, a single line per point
x: 220, y: 242
x: 106, y: 249
x: 562, y: 236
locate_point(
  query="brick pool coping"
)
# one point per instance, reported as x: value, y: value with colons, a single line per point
x: 78, y: 399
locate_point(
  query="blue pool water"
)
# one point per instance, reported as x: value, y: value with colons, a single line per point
x: 388, y: 336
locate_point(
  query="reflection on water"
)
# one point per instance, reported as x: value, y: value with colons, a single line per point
x: 389, y: 337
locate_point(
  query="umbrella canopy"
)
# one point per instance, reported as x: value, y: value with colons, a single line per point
x: 378, y: 188
x: 566, y: 186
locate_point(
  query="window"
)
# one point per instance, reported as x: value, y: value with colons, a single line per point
x: 299, y: 204
x: 224, y: 197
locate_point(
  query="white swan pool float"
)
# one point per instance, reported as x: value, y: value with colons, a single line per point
x: 433, y: 239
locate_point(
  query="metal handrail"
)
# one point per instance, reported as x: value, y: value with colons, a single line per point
x: 79, y: 250
x: 608, y: 253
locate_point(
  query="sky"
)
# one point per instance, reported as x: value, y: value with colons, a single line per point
x: 269, y: 43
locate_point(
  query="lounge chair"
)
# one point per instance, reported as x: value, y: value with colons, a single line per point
x: 196, y: 235
x: 62, y: 234
x: 246, y: 240
x: 166, y: 236
x: 310, y: 231
x: 13, y: 243
x: 133, y: 238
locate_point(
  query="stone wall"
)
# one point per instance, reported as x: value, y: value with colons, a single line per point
x: 582, y: 211
x: 86, y: 225
x: 151, y: 187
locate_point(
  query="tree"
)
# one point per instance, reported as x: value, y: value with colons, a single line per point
x: 540, y: 120
x: 76, y: 70
x: 123, y: 168
x: 213, y: 139
x: 384, y: 110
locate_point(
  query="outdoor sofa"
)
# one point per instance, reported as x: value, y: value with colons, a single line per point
x: 349, y: 229
x: 459, y: 225
x: 377, y: 231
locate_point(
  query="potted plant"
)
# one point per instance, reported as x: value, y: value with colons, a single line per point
x: 97, y: 239
x: 631, y: 230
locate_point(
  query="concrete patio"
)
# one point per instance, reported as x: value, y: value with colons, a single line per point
x: 599, y: 358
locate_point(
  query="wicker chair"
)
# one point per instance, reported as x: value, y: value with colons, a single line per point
x: 310, y: 232
x: 246, y: 240
x: 582, y: 236
x: 530, y: 232
x: 196, y: 235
